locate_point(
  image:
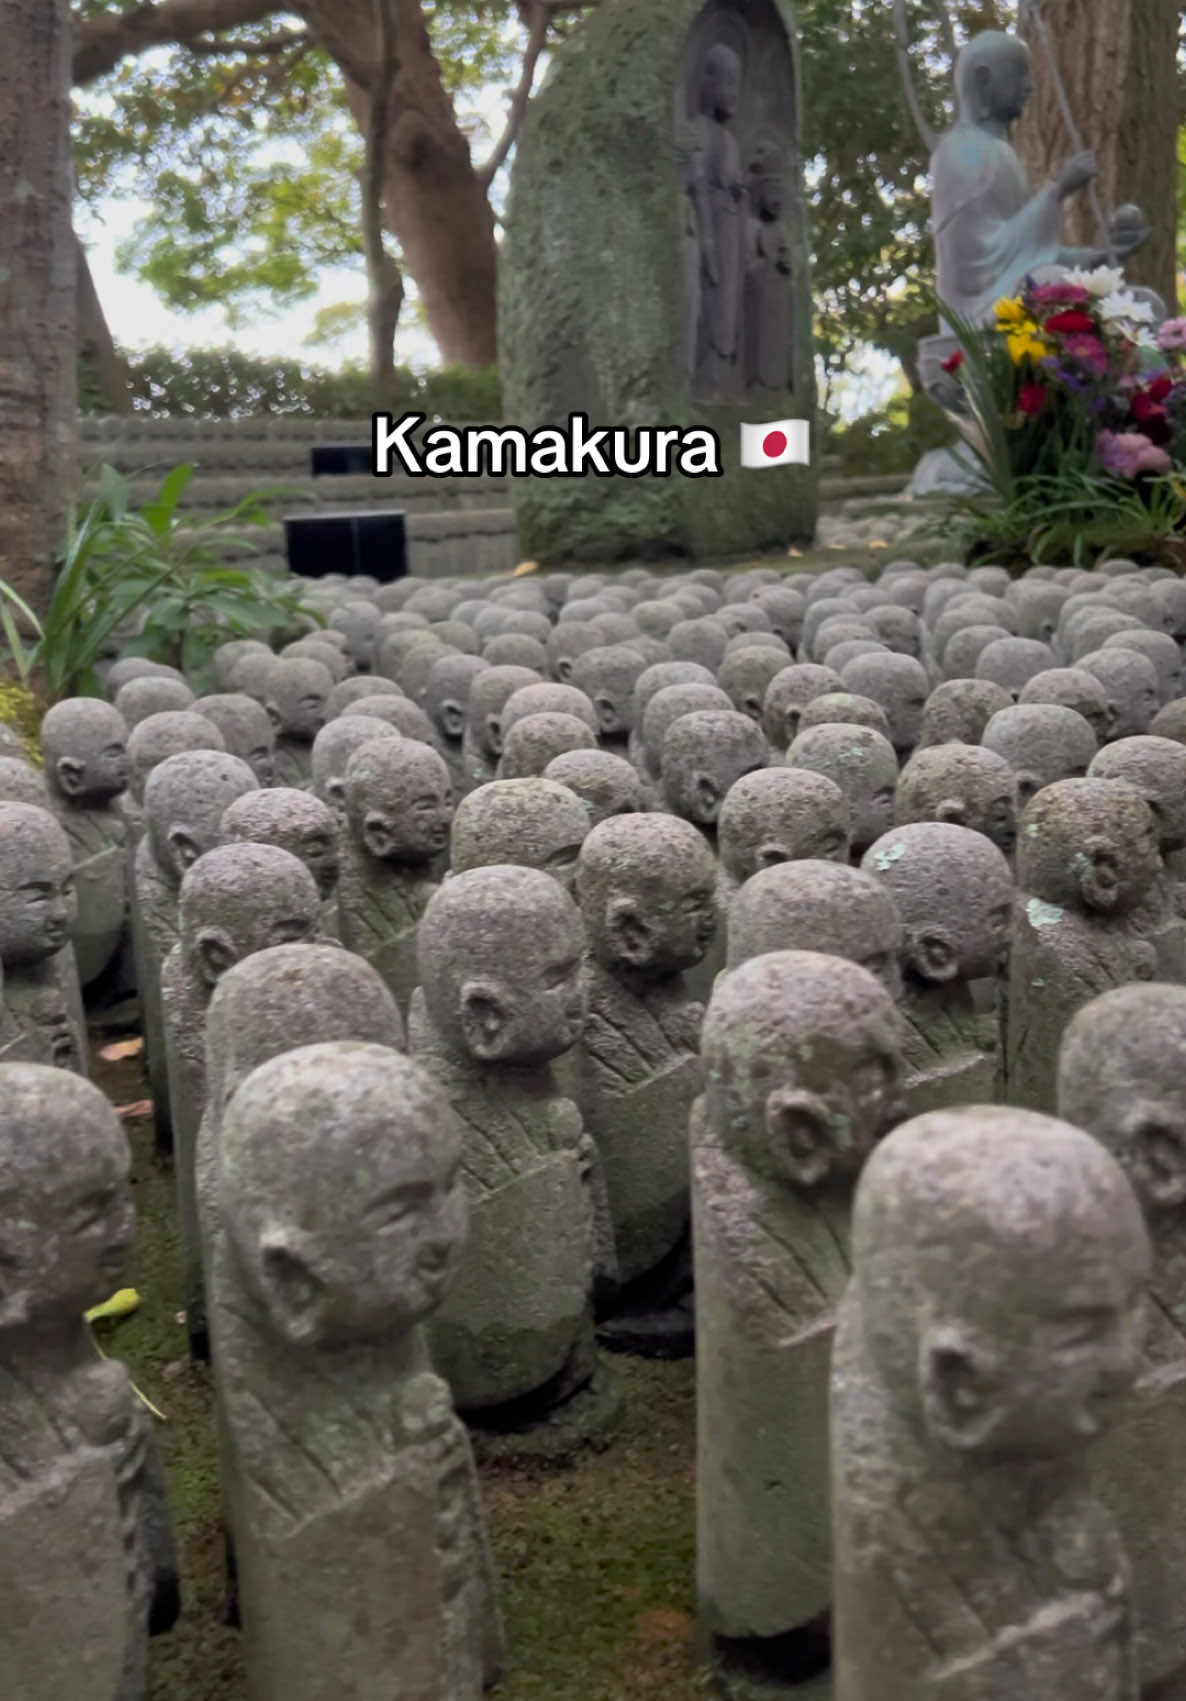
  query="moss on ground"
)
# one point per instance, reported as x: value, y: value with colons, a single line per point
x: 596, y: 1563
x: 22, y: 710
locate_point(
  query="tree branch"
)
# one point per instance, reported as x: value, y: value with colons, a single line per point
x: 100, y: 44
x: 263, y: 48
x: 538, y: 20
x: 384, y: 279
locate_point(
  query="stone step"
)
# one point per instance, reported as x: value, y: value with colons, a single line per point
x: 215, y: 494
x: 871, y: 484
x: 440, y: 545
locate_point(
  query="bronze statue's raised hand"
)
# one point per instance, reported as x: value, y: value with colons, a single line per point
x: 1077, y: 173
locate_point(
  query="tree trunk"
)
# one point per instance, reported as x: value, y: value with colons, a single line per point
x: 435, y: 204
x: 96, y: 345
x: 385, y: 284
x: 38, y: 284
x: 1118, y: 60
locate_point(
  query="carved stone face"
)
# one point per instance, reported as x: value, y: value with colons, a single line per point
x: 298, y: 690
x: 85, y: 745
x: 535, y: 1010
x: 782, y: 815
x: 38, y: 904
x: 66, y: 1223
x: 647, y: 891
x: 399, y: 801
x: 721, y: 90
x: 954, y: 892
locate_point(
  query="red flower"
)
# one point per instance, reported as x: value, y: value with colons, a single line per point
x: 1031, y: 398
x: 1150, y: 416
x: 1160, y: 388
x: 1070, y: 322
x: 1058, y: 295
x: 954, y: 361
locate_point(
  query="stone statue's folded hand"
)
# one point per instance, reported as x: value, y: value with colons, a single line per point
x: 1077, y: 173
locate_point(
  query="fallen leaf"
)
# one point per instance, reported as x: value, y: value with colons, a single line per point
x: 794, y: 552
x: 120, y: 1304
x: 121, y: 1049
x: 525, y: 567
x: 663, y: 1624
x: 140, y: 1107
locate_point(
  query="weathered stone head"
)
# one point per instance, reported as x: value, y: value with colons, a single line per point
x: 788, y: 694
x: 1088, y: 845
x: 1001, y: 1265
x: 548, y: 699
x: 704, y: 755
x: 226, y: 656
x: 347, y: 692
x: 781, y: 815
x: 499, y: 952
x: 399, y: 801
x: 162, y: 736
x: 646, y: 889
x: 863, y: 764
x: 1073, y: 688
x: 446, y: 697
x: 803, y: 1067
x: 1160, y: 649
x: 720, y: 86
x: 531, y: 743
x: 246, y: 730
x: 665, y: 708
x: 844, y: 708
x: 964, y: 785
x: 954, y: 892
x: 38, y: 903
x: 185, y: 800
x: 151, y: 695
x: 899, y: 683
x: 606, y: 784
x: 1042, y: 743
x: 297, y: 697
x: 533, y: 823
x: 1156, y: 767
x: 293, y: 821
x: 958, y: 711
x: 702, y: 639
x: 288, y: 996
x: 1012, y: 662
x: 67, y: 1223
x: 488, y: 697
x: 822, y: 907
x: 84, y: 744
x: 20, y: 782
x: 240, y: 898
x: 745, y: 676
x: 333, y: 747
x: 340, y: 1194
x: 608, y: 675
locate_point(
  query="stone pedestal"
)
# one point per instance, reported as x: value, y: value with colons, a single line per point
x: 655, y: 273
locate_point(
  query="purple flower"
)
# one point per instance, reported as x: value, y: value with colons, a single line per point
x: 1130, y: 453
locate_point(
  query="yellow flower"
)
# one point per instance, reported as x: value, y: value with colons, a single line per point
x: 1009, y: 311
x: 1024, y: 342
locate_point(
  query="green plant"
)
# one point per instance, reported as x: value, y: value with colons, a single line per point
x: 1074, y: 518
x: 151, y: 576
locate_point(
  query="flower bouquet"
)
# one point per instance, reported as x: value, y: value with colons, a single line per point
x: 1077, y: 407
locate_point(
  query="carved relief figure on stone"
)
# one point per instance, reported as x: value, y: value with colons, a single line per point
x: 991, y: 1330
x: 715, y: 191
x: 766, y: 300
x: 37, y: 911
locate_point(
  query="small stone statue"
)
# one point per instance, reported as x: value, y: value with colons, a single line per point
x: 1042, y: 743
x: 85, y: 1542
x: 606, y: 784
x: 150, y: 744
x: 481, y: 744
x: 446, y: 703
x: 533, y: 823
x: 500, y: 998
x: 185, y: 799
x: 299, y: 823
x: 780, y: 815
x: 349, y: 1479
x: 607, y: 675
x: 667, y: 706
x: 236, y: 899
x: 333, y: 747
x: 704, y: 755
x: 714, y: 239
x: 822, y: 907
x: 788, y: 694
x: 964, y: 785
x: 863, y: 764
x: 803, y: 1070
x: 993, y: 1321
x: 530, y: 744
x: 298, y: 690
x: 399, y: 804
x: 953, y: 889
x: 84, y: 743
x: 37, y: 911
x: 645, y: 887
x: 1156, y: 767
x: 246, y: 730
x: 957, y: 711
x: 150, y: 695
x: 1087, y: 858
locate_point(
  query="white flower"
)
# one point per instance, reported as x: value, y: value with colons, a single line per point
x: 1102, y: 280
x: 1121, y: 307
x: 1147, y: 338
